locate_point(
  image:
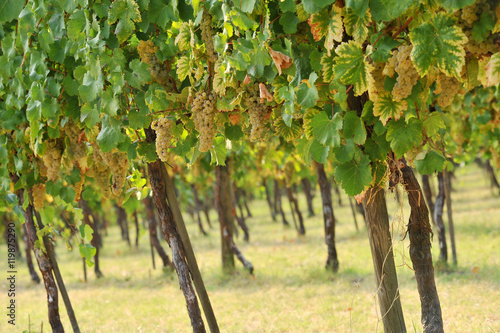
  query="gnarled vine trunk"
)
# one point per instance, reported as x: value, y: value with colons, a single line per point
x: 153, y: 235
x: 332, y: 261
x: 197, y: 208
x: 377, y: 222
x: 307, y: 188
x: 95, y: 242
x: 419, y: 230
x: 224, y: 206
x: 122, y: 221
x: 300, y: 227
x: 29, y: 261
x: 438, y: 216
x: 278, y: 203
x: 269, y: 200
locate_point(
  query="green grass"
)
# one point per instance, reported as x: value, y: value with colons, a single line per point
x: 291, y: 291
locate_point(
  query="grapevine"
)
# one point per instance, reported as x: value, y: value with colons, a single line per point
x: 52, y: 159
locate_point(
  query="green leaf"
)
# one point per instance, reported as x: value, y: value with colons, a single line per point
x: 430, y: 163
x: 383, y: 49
x: 310, y: 6
x: 219, y: 152
x: 307, y: 93
x: 351, y: 67
x: 319, y: 152
x: 433, y: 124
x: 357, y: 19
x: 90, y: 87
x: 289, y: 22
x: 87, y: 251
x: 148, y: 151
x: 388, y: 10
x: 88, y: 233
x: 438, y: 43
x: 161, y: 12
x: 345, y: 152
x: 289, y: 133
x: 183, y: 68
x: 482, y: 28
x: 452, y: 5
x: 10, y: 9
x: 233, y: 133
x: 403, y: 137
x: 245, y: 5
x: 354, y: 127
x: 110, y: 135
x: 77, y: 25
x: 326, y: 131
x: 140, y: 70
x: 355, y: 176
x: 327, y: 63
x: 126, y: 12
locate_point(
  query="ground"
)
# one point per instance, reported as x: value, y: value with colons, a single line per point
x: 291, y: 291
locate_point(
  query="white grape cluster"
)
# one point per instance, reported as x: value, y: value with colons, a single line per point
x: 78, y: 187
x: 466, y: 18
x: 407, y: 74
x: 447, y: 88
x: 257, y: 112
x: 207, y: 36
x: 378, y: 79
x: 204, y: 110
x: 159, y: 71
x: 38, y: 192
x: 77, y: 147
x: 412, y: 154
x: 118, y: 165
x: 163, y: 129
x: 52, y: 159
x: 100, y: 172
x: 302, y: 34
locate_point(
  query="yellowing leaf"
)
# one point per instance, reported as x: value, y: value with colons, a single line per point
x: 126, y: 12
x: 351, y: 67
x: 357, y: 26
x: 185, y: 38
x: 280, y: 60
x: 438, y: 43
x: 492, y: 70
x: 327, y: 24
x: 386, y: 108
x: 291, y: 133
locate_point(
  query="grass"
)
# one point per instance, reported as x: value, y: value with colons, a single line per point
x: 291, y: 291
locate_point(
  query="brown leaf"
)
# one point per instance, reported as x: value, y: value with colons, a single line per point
x: 280, y: 60
x: 234, y: 118
x: 359, y: 198
x: 247, y: 80
x: 264, y: 93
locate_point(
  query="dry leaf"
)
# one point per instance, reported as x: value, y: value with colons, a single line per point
x: 474, y: 270
x: 264, y: 93
x: 280, y: 60
x: 234, y: 118
x: 359, y: 198
x: 247, y: 79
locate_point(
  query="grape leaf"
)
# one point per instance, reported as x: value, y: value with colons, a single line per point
x: 386, y: 108
x: 319, y: 152
x: 245, y: 5
x: 351, y: 67
x: 388, y: 10
x: 289, y: 133
x: 307, y: 93
x: 219, y: 151
x: 326, y: 131
x: 126, y: 12
x: 404, y: 136
x: 354, y: 127
x: 433, y: 124
x: 438, y: 43
x: 452, y: 5
x: 345, y: 152
x: 492, y: 70
x: 289, y: 22
x: 357, y: 19
x: 430, y: 163
x: 355, y: 176
x: 110, y: 135
x: 87, y: 251
x: 10, y: 9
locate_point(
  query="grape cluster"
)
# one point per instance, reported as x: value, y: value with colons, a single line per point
x: 38, y: 192
x: 52, y: 159
x: 204, y: 109
x: 78, y: 187
x: 302, y: 34
x: 163, y: 129
x: 447, y: 88
x: 159, y: 71
x: 118, y: 165
x: 407, y: 74
x: 412, y: 154
x: 76, y: 146
x: 207, y: 36
x: 378, y: 79
x: 100, y: 172
x: 257, y: 111
x: 467, y: 17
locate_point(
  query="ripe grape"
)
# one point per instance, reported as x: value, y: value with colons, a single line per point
x: 257, y: 112
x: 52, y: 159
x: 38, y: 192
x: 77, y: 148
x: 447, y: 88
x: 207, y: 36
x: 407, y: 74
x: 159, y: 71
x: 118, y: 165
x: 163, y: 129
x: 204, y: 110
x: 100, y: 172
